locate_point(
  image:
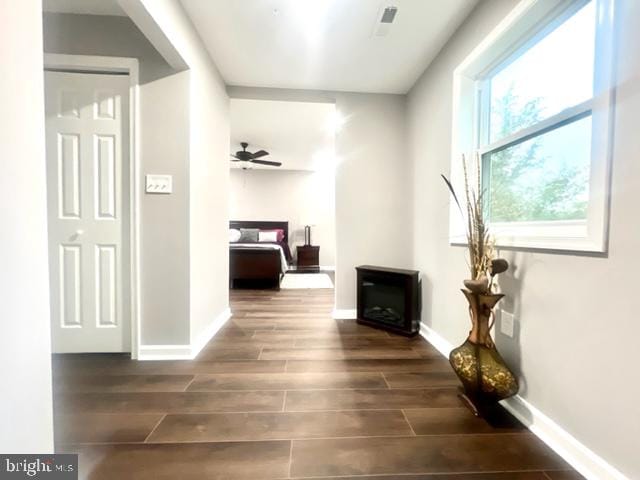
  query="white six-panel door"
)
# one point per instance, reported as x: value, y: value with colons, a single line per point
x: 87, y: 129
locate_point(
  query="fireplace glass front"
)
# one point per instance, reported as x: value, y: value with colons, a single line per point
x: 383, y: 302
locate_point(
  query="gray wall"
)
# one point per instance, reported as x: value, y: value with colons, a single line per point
x: 373, y: 189
x: 164, y: 148
x: 103, y: 35
x: 26, y: 424
x: 577, y: 322
x: 373, y: 178
x: 208, y: 124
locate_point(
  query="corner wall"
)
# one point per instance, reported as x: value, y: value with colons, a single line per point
x: 208, y: 171
x: 26, y: 424
x: 373, y: 189
x: 577, y: 325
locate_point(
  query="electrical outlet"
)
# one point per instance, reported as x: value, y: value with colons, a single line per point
x: 506, y: 323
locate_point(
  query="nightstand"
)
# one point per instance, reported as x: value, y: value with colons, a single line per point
x: 308, y: 258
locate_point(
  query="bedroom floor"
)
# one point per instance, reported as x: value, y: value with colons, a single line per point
x: 284, y: 391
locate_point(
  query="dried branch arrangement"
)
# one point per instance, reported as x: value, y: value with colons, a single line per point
x: 483, y: 265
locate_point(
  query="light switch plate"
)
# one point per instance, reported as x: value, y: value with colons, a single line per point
x: 506, y: 323
x: 158, y: 184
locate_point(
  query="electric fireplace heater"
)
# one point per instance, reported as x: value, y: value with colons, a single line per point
x: 389, y: 298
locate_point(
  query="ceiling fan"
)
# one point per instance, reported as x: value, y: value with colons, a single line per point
x: 244, y: 156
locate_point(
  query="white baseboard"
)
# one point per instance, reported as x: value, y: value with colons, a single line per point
x: 164, y: 352
x: 184, y: 352
x: 435, y: 339
x: 327, y: 268
x: 345, y: 314
x: 585, y: 461
x: 575, y: 453
x: 209, y: 332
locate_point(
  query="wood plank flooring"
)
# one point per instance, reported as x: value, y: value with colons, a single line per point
x: 283, y: 391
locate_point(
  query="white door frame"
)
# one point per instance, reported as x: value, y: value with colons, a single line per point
x: 85, y: 63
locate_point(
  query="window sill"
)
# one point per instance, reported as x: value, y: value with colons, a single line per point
x: 564, y: 236
x: 549, y: 245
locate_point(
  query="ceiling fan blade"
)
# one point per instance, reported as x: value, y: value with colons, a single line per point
x: 265, y: 162
x: 260, y: 153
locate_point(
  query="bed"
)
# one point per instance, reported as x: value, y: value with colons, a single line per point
x: 259, y: 264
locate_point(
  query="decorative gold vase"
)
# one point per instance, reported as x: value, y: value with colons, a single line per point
x: 481, y: 369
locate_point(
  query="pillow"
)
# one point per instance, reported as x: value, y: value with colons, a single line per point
x: 234, y: 235
x: 279, y: 231
x: 264, y: 236
x: 248, y: 235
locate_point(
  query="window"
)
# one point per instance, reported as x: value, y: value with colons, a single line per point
x: 534, y: 103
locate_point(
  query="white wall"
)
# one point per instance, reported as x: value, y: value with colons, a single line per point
x: 372, y: 180
x: 26, y: 424
x: 164, y: 231
x: 373, y: 189
x: 576, y: 316
x: 296, y: 196
x: 208, y: 168
x: 164, y: 148
x: 209, y: 196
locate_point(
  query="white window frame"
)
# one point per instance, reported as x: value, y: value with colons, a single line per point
x: 530, y: 21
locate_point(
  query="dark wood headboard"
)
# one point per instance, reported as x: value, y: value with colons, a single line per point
x: 263, y: 225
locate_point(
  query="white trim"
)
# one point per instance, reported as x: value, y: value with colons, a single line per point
x: 164, y: 352
x: 527, y: 22
x: 185, y: 352
x: 576, y: 454
x: 344, y: 314
x: 91, y: 63
x: 139, y: 14
x: 561, y: 235
x: 209, y: 332
x: 131, y: 67
x: 434, y: 338
x: 554, y: 122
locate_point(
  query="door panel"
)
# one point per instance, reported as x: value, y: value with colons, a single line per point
x: 70, y: 289
x: 68, y: 184
x: 105, y: 176
x: 106, y: 285
x: 87, y: 128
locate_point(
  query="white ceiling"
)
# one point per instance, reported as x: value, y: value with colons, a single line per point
x: 300, y: 135
x: 86, y: 7
x: 324, y: 44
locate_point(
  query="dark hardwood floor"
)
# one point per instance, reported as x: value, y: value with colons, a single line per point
x: 283, y: 391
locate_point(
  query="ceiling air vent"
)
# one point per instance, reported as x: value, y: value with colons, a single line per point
x: 386, y: 19
x: 388, y: 15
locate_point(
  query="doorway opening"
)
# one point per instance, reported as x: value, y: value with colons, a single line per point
x: 282, y: 171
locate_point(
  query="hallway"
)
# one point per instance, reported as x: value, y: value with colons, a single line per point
x: 284, y: 391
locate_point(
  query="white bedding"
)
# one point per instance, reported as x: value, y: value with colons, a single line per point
x: 284, y: 266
